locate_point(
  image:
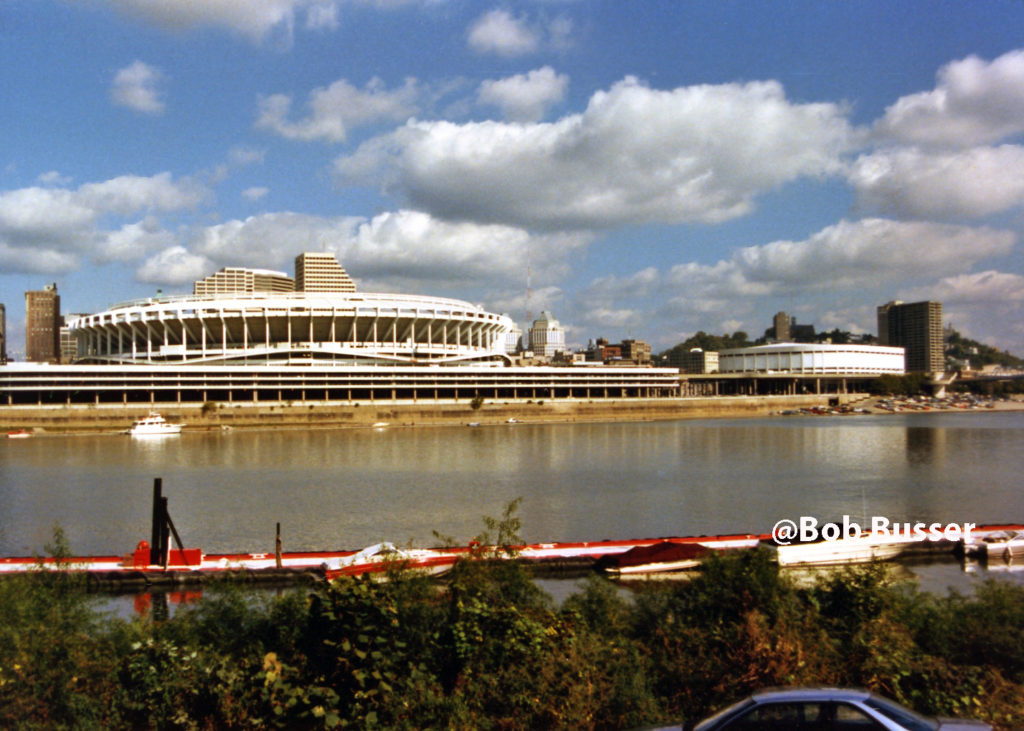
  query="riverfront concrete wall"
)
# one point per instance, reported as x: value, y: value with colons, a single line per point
x: 212, y: 416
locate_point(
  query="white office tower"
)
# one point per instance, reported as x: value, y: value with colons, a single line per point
x: 316, y: 272
x: 547, y: 337
x: 512, y: 340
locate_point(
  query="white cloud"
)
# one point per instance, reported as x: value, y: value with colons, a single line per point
x: 336, y: 109
x: 988, y: 287
x: 254, y: 20
x: 910, y: 182
x: 498, y: 32
x: 56, y: 227
x: 866, y: 253
x: 54, y: 178
x: 700, y: 153
x: 242, y: 156
x: 397, y: 251
x: 128, y: 193
x: 255, y: 193
x: 525, y: 97
x: 174, y: 265
x: 136, y: 87
x: 35, y: 260
x: 133, y: 241
x: 322, y: 15
x: 974, y: 102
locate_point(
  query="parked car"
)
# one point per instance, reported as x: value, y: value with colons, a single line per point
x: 826, y: 709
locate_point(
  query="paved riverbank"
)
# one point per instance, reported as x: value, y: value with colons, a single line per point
x: 198, y: 417
x: 332, y: 415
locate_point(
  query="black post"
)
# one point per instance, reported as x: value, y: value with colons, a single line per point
x: 158, y: 521
x: 165, y: 532
x: 277, y: 547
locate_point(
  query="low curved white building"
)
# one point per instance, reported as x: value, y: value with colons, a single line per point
x: 812, y: 358
x: 299, y: 327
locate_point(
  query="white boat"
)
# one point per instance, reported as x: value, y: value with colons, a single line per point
x: 862, y: 549
x: 1007, y: 545
x: 153, y: 425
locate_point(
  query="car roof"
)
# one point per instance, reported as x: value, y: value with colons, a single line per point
x: 816, y: 693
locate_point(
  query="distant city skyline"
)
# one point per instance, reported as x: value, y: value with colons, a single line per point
x: 637, y: 170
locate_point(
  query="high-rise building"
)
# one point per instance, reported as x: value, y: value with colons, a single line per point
x: 42, y: 325
x: 917, y: 328
x: 547, y: 336
x: 230, y: 280
x: 321, y: 272
x: 3, y: 335
x: 782, y: 322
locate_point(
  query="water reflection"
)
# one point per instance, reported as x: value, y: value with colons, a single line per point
x: 335, y: 489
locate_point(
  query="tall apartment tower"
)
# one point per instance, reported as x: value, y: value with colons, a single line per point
x: 917, y: 328
x: 42, y: 326
x: 3, y: 335
x: 317, y: 272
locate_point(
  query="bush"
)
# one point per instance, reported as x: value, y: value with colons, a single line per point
x: 485, y: 648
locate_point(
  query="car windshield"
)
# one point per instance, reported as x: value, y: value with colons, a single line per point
x: 904, y: 716
x: 711, y: 722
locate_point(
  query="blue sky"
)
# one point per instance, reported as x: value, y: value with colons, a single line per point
x: 637, y: 169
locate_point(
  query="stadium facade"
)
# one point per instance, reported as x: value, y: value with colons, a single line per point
x: 323, y: 342
x: 299, y: 327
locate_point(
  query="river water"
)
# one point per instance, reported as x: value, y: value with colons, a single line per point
x: 348, y: 488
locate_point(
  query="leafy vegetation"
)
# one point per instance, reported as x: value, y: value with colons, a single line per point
x: 978, y: 354
x: 486, y: 648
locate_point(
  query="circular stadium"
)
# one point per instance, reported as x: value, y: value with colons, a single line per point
x: 296, y: 327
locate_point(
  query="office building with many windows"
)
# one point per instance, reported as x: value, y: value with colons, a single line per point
x: 42, y: 325
x: 317, y: 272
x: 917, y: 328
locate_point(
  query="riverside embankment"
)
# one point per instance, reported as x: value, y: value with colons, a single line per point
x: 212, y: 416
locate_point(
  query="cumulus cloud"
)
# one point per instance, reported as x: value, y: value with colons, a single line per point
x: 636, y: 154
x: 525, y: 97
x: 256, y: 21
x: 987, y: 287
x: 54, y: 178
x: 255, y: 193
x: 132, y: 241
x: 137, y: 87
x: 174, y: 265
x: 865, y: 253
x: 911, y: 182
x: 336, y: 109
x: 57, y: 227
x: 974, y: 102
x: 398, y: 251
x: 498, y: 32
x: 836, y: 277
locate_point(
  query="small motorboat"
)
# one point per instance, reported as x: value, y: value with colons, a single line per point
x: 856, y: 549
x: 659, y: 558
x: 19, y: 434
x: 1007, y: 545
x: 154, y: 425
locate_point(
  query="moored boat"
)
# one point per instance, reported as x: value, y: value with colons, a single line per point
x: 154, y: 425
x: 19, y: 434
x: 859, y: 549
x: 662, y: 557
x: 1006, y: 545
